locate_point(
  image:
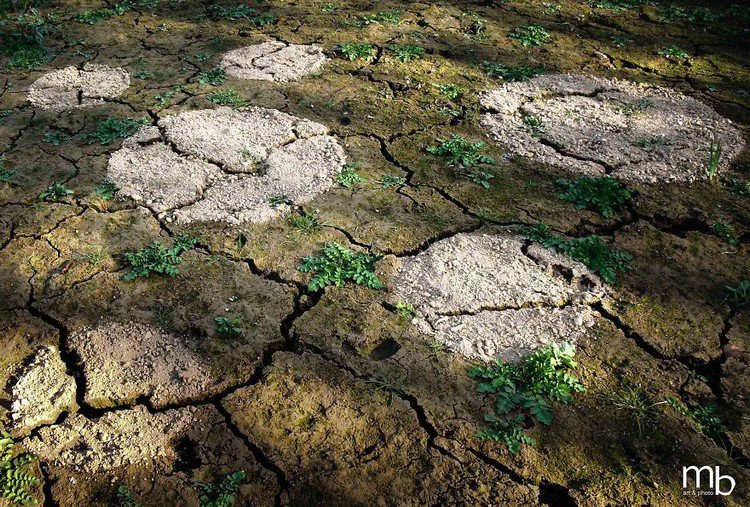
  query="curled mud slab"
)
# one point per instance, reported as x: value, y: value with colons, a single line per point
x: 43, y: 391
x: 598, y: 127
x: 71, y: 88
x: 273, y: 61
x: 492, y: 296
x: 224, y: 164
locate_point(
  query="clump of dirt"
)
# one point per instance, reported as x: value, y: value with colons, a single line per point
x: 273, y: 61
x: 43, y: 391
x: 124, y: 361
x: 489, y: 296
x: 72, y: 88
x: 227, y: 165
x: 598, y: 126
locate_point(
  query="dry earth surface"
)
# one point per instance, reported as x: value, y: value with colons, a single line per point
x: 237, y: 124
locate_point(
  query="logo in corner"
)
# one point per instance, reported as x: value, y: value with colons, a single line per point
x: 706, y: 481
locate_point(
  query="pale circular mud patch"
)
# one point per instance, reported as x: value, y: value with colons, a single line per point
x: 224, y: 164
x: 598, y: 127
x: 72, y: 88
x: 273, y: 61
x: 489, y: 297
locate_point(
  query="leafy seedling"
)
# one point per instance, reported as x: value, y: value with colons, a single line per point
x: 738, y: 187
x: 106, y: 191
x: 392, y: 17
x: 460, y: 151
x: 55, y: 137
x: 126, y: 498
x: 714, y: 159
x: 405, y: 310
x: 526, y: 390
x: 604, y: 195
x: 481, y: 178
x: 704, y: 416
x: 228, y: 327
x: 221, y: 493
x: 227, y: 98
x: 674, y: 53
x: 450, y: 91
x: 156, y: 258
x: 738, y: 295
x: 55, y: 193
x: 530, y: 35
x: 390, y: 383
x: 111, y: 129
x: 510, y: 74
x: 214, y: 77
x: 406, y: 52
x: 306, y: 223
x: 234, y: 13
x: 358, y: 51
x: 726, y: 232
x: 349, y: 177
x: 337, y: 265
x: 638, y: 405
x: 390, y: 181
x: 15, y: 478
x: 279, y: 200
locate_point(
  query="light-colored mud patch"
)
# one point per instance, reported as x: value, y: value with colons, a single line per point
x: 44, y: 391
x: 491, y: 296
x: 225, y: 165
x: 273, y: 61
x: 71, y: 88
x: 118, y: 439
x: 125, y: 361
x: 598, y: 127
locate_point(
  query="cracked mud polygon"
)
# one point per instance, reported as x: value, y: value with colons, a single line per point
x: 168, y: 166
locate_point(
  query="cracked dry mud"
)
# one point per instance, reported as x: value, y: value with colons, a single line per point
x: 226, y: 165
x: 112, y: 382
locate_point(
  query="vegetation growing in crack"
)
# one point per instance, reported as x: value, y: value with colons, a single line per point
x: 156, y: 258
x: 221, y: 493
x: 15, y: 478
x: 337, y: 265
x: 525, y: 392
x: 604, y: 195
x: 389, y: 181
x: 111, y: 129
x: 511, y: 74
x: 56, y: 193
x: 214, y: 77
x: 106, y: 191
x: 636, y: 405
x: 389, y: 382
x: 392, y: 17
x: 227, y: 98
x: 738, y: 296
x: 589, y: 250
x: 705, y: 416
x: 306, y: 223
x: 466, y: 154
x: 348, y: 176
x: 406, y: 52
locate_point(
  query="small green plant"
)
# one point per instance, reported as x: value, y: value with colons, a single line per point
x: 526, y: 390
x: 5, y: 173
x: 714, y: 159
x: 228, y: 327
x: 674, y: 53
x: 726, y: 232
x: 227, y: 98
x: 164, y: 317
x: 126, y: 498
x: 649, y: 144
x: 620, y: 40
x: 604, y: 195
x: 550, y: 8
x: 738, y: 187
x: 163, y: 98
x: 533, y: 125
x: 473, y: 26
x: 55, y: 193
x: 359, y: 51
x: 522, y: 73
x: 390, y: 383
x: 704, y: 416
x: 700, y: 15
x: 55, y: 137
x: 450, y: 91
x: 738, y: 295
x: 234, y: 13
x: 530, y: 35
x: 337, y: 265
x: 95, y: 256
x: 481, y: 178
x: 111, y: 129
x: 349, y: 177
x: 405, y: 310
x: 264, y: 20
x: 156, y: 258
x: 24, y: 39
x: 15, y: 478
x: 390, y: 181
x: 214, y: 77
x: 392, y: 17
x: 460, y: 151
x: 636, y: 403
x: 279, y: 200
x: 106, y: 191
x: 634, y: 108
x: 221, y: 493
x: 589, y: 250
x: 328, y: 8
x: 406, y: 52
x: 307, y: 223
x: 619, y: 5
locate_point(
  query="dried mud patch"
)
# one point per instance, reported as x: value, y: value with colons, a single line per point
x: 72, y: 88
x: 488, y: 296
x: 273, y: 61
x: 599, y: 126
x: 227, y: 165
